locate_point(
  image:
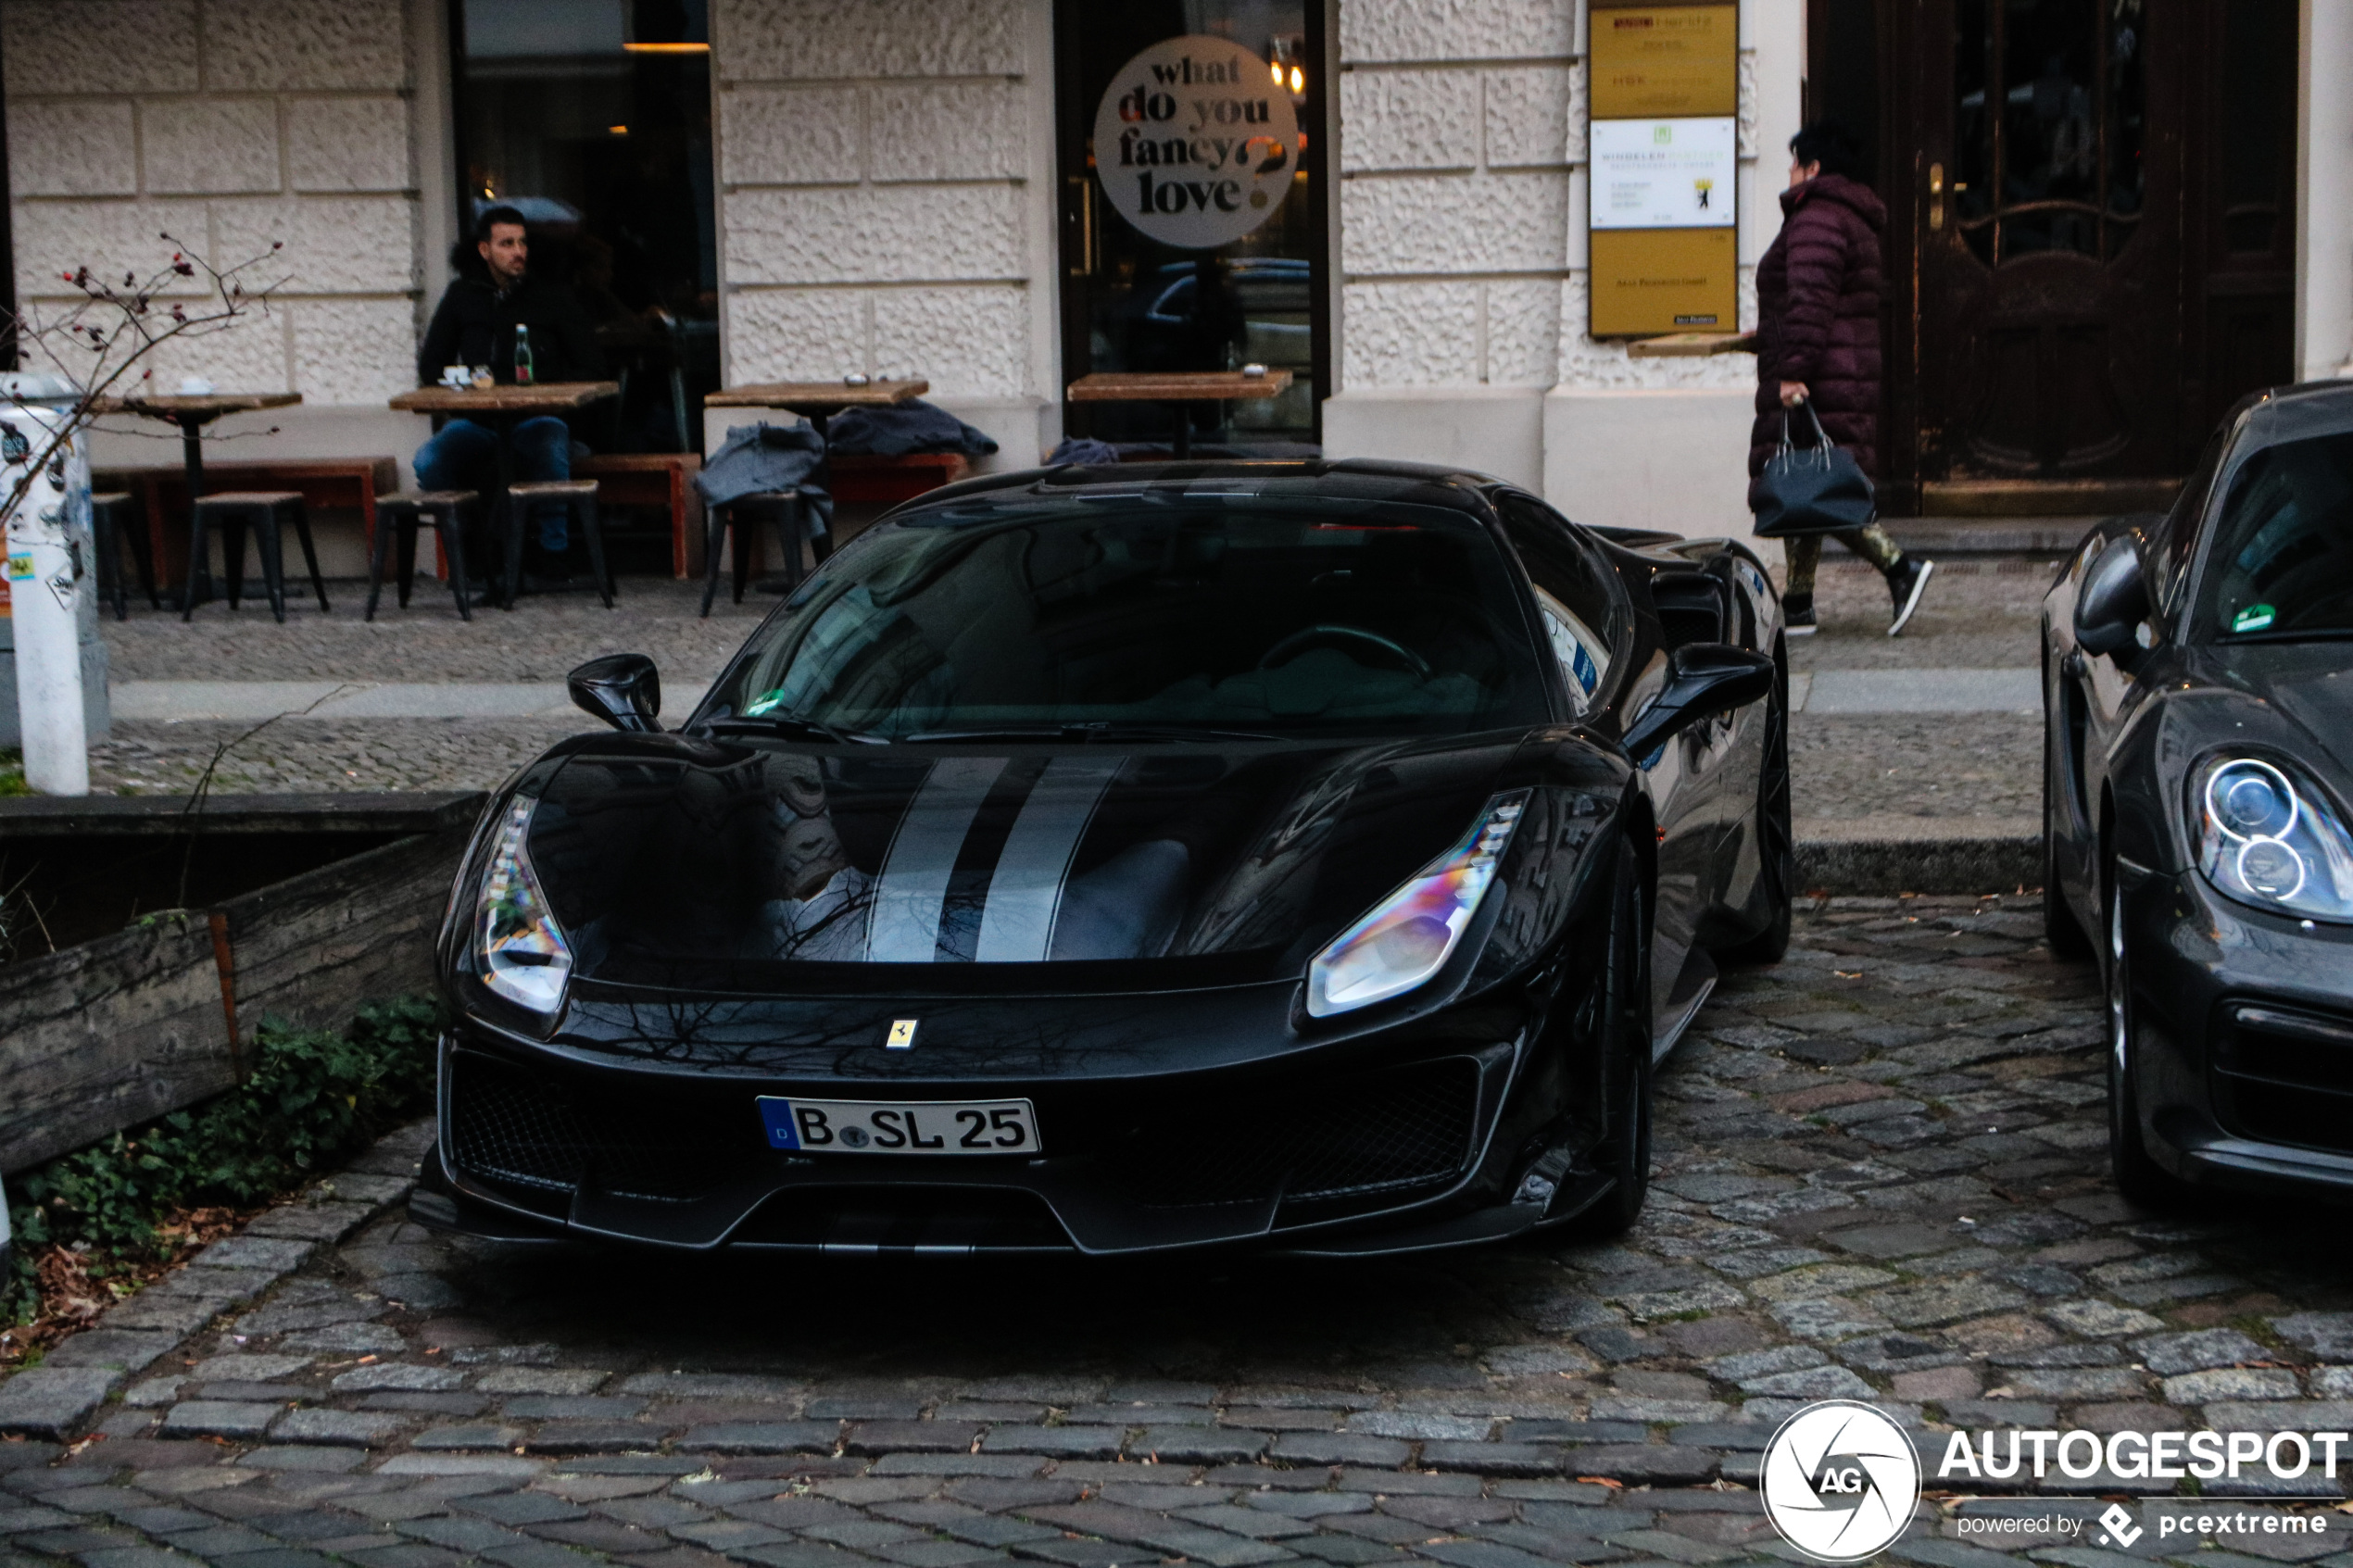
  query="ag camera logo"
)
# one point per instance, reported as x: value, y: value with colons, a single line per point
x: 1840, y: 1481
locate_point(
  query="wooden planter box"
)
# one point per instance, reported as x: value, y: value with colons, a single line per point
x: 109, y: 1032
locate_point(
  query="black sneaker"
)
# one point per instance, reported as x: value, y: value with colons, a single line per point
x: 1797, y: 615
x: 1905, y: 585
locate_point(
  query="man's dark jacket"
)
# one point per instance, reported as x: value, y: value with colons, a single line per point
x: 477, y: 326
x: 1817, y: 299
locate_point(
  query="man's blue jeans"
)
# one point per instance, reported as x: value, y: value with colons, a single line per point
x: 464, y: 456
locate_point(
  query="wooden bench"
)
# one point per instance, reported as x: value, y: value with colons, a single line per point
x: 664, y: 480
x: 349, y: 483
x: 893, y: 479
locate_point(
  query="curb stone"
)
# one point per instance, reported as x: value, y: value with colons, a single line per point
x: 52, y: 1400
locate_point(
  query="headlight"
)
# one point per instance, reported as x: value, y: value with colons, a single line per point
x: 1409, y: 935
x: 524, y: 955
x: 2269, y: 840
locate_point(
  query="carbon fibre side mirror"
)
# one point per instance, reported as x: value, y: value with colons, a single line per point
x: 2113, y: 601
x: 623, y: 689
x: 1704, y: 680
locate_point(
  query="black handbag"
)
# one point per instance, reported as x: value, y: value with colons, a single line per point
x: 1817, y: 489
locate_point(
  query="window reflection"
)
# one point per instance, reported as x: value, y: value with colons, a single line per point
x: 2051, y: 114
x: 593, y: 117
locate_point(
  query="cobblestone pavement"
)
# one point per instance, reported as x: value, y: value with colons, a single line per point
x: 1979, y: 613
x: 1982, y: 771
x: 1880, y: 1175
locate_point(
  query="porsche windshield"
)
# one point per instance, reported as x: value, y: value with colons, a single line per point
x: 1147, y: 613
x: 2281, y: 567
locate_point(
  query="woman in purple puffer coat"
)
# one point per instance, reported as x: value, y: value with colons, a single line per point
x: 1817, y: 340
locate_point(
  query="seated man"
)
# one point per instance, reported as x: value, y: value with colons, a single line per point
x: 475, y: 325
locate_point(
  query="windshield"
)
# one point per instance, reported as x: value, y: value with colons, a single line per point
x: 2281, y: 567
x: 1177, y: 612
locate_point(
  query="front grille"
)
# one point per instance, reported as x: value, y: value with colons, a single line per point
x: 1388, y: 1132
x: 2283, y: 1076
x: 534, y: 1130
x: 911, y: 1219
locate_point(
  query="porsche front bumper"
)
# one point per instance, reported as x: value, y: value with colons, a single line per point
x: 2244, y: 1022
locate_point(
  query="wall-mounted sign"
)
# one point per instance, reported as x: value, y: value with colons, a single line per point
x: 1195, y: 143
x: 1652, y: 281
x: 1663, y: 173
x: 1664, y: 145
x: 1661, y: 62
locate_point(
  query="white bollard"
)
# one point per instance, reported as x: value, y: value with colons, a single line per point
x: 45, y: 579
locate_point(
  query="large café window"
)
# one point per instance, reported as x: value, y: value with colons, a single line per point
x: 593, y: 117
x: 1192, y: 288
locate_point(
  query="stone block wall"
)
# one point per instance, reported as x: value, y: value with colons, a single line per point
x: 233, y: 125
x: 885, y: 196
x: 1463, y: 200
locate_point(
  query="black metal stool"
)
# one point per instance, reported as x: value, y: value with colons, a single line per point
x: 265, y: 512
x: 116, y: 524
x: 399, y: 515
x: 578, y: 497
x: 744, y: 515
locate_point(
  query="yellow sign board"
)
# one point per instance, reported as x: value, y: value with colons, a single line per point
x: 1652, y: 281
x: 1677, y: 67
x: 1664, y: 62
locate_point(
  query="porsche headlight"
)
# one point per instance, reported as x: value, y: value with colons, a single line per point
x: 521, y: 950
x: 2270, y: 840
x: 1409, y: 935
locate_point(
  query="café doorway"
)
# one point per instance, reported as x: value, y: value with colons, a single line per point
x: 1213, y: 284
x: 2091, y: 241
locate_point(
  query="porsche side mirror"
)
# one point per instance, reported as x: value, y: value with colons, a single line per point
x: 623, y: 689
x: 1702, y: 680
x: 2113, y: 601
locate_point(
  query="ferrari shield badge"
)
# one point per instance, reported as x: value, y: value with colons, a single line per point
x: 903, y: 1034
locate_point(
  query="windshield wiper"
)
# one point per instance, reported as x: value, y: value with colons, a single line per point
x: 792, y: 723
x: 1106, y: 730
x: 2288, y: 634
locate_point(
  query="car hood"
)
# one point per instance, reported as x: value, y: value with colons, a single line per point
x: 676, y: 862
x: 2309, y: 685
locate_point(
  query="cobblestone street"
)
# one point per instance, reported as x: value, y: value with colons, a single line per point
x: 1881, y: 1174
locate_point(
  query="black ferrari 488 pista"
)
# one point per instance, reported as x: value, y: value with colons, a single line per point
x: 1310, y: 854
x: 2197, y: 673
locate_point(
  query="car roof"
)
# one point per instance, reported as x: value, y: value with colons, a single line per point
x: 1349, y: 479
x: 2293, y: 413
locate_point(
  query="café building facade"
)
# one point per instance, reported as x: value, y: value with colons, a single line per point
x: 1462, y: 224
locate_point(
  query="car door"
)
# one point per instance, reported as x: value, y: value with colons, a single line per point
x: 1579, y: 597
x: 2107, y: 684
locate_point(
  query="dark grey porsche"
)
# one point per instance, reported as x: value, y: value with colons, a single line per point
x: 1308, y: 855
x: 2199, y: 766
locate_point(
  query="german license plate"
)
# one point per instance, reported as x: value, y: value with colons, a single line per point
x: 935, y: 1126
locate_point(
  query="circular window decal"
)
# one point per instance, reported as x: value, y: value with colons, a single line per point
x: 1195, y: 142
x: 1840, y: 1481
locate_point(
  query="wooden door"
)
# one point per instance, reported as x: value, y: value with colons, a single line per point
x: 2048, y: 192
x: 2085, y: 274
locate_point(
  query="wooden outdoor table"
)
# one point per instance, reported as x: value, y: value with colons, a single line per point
x: 192, y: 412
x: 816, y: 400
x: 1179, y: 388
x: 543, y: 398
x: 501, y: 405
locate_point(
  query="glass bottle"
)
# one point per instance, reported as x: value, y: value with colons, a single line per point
x: 523, y: 354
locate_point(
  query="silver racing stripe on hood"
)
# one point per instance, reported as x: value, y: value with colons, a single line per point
x: 1025, y: 891
x: 902, y: 923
